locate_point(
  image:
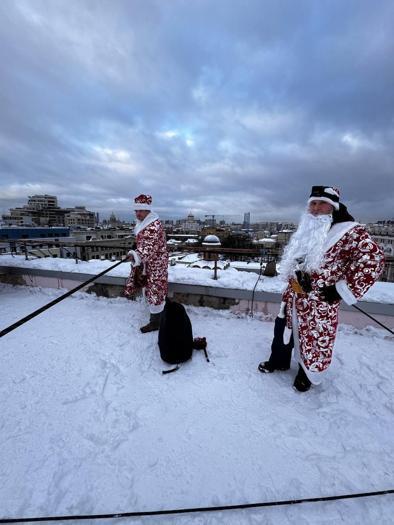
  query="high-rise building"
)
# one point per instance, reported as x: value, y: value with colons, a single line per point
x: 246, y: 224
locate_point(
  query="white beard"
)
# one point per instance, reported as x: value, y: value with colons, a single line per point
x: 306, y: 248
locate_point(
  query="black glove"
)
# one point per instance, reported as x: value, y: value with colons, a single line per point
x: 330, y: 294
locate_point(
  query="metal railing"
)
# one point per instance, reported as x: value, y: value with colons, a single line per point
x: 78, y: 250
x: 24, y: 246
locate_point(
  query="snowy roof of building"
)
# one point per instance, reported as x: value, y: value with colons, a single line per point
x: 173, y: 241
x: 189, y: 258
x: 89, y: 424
x: 208, y: 265
x: 266, y: 240
x: 246, y: 264
x: 380, y: 292
x: 191, y: 241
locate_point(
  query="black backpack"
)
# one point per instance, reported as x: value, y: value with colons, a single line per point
x: 176, y: 335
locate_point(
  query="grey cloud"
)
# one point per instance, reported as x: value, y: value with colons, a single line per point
x: 210, y: 106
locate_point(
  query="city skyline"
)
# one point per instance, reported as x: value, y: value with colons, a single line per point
x: 210, y: 107
x: 254, y: 218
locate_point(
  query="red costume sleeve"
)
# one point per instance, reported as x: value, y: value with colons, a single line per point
x: 365, y: 263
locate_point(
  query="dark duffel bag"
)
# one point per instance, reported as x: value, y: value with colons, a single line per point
x: 175, y: 334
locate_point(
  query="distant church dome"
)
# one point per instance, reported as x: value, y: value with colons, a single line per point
x: 211, y: 240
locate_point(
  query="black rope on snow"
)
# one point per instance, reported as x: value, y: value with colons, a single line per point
x: 55, y: 301
x: 373, y: 319
x: 196, y: 509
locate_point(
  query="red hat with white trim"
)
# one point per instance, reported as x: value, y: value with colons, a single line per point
x: 328, y: 194
x: 143, y: 202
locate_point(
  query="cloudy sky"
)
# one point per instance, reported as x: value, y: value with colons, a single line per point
x: 212, y: 106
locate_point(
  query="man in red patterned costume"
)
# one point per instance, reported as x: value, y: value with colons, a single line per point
x: 328, y: 259
x: 149, y: 260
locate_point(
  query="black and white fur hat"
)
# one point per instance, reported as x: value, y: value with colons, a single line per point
x: 325, y: 193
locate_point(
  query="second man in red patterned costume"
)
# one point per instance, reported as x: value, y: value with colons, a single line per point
x: 149, y: 261
x: 328, y: 259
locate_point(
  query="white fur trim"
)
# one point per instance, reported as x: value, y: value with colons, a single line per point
x: 141, y: 206
x: 156, y: 308
x: 345, y: 292
x: 281, y: 313
x: 324, y: 199
x: 338, y: 231
x: 331, y: 191
x: 287, y: 335
x: 137, y: 258
x: 151, y: 217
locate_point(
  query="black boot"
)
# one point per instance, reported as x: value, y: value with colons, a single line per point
x: 301, y: 382
x: 266, y: 368
x: 280, y: 353
x: 153, y: 325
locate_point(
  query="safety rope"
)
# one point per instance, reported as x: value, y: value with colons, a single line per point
x: 373, y: 319
x: 195, y: 509
x: 55, y: 301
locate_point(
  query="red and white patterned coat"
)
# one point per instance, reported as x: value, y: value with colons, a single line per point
x: 353, y: 262
x: 152, y: 252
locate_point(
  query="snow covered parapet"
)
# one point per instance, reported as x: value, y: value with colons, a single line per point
x: 230, y: 279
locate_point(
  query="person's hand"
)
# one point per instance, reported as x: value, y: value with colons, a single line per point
x: 330, y: 294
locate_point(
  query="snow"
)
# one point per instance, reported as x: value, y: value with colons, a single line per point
x: 195, y: 260
x: 380, y: 292
x: 242, y: 265
x: 186, y: 259
x: 173, y: 241
x: 265, y: 241
x: 89, y: 424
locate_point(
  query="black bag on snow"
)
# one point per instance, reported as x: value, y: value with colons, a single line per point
x: 175, y: 334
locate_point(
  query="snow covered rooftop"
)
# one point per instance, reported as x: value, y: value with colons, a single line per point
x: 90, y: 425
x: 264, y: 241
x: 186, y: 259
x: 380, y: 292
x: 192, y: 241
x: 173, y: 241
